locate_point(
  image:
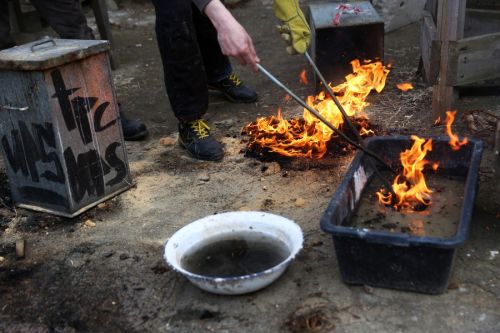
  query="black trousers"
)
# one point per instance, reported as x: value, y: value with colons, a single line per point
x: 64, y: 16
x: 191, y: 56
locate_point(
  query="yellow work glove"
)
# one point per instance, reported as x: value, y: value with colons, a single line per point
x: 294, y: 30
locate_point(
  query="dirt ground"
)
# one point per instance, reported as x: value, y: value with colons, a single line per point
x: 110, y: 277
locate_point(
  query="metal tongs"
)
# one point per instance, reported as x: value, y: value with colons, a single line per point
x: 359, y: 144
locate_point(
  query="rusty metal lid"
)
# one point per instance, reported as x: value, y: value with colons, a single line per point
x: 48, y: 53
x: 344, y: 14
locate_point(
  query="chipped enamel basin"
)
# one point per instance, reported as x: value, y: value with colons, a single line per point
x: 221, y: 226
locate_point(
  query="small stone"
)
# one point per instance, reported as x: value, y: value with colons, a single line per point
x: 2, y: 259
x: 389, y: 225
x: 272, y: 168
x: 20, y: 248
x: 300, y: 202
x: 124, y: 256
x: 102, y: 205
x: 264, y: 188
x: 89, y: 223
x: 204, y: 177
x: 368, y: 289
x: 108, y: 254
x: 317, y: 243
x: 167, y: 141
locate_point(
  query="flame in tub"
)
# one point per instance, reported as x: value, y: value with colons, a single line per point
x: 455, y: 143
x: 410, y: 187
x: 307, y: 136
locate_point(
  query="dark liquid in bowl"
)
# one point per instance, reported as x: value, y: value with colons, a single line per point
x: 235, y: 257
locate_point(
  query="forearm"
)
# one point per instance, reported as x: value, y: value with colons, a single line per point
x: 218, y: 14
x: 233, y: 39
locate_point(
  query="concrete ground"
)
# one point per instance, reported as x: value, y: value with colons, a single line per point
x: 110, y: 277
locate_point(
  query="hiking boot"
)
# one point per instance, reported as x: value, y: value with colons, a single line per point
x: 133, y: 130
x: 196, y: 138
x: 234, y: 89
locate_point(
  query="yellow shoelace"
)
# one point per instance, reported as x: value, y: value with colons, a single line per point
x: 233, y: 77
x: 200, y: 127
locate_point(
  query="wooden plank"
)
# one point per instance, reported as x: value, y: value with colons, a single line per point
x: 430, y: 50
x: 497, y: 157
x: 481, y: 22
x: 431, y: 7
x: 450, y: 28
x: 478, y: 60
x: 484, y: 4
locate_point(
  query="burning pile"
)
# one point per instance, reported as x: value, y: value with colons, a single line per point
x: 307, y: 136
x: 410, y: 186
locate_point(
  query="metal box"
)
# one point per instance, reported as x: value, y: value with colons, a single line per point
x: 60, y: 130
x: 342, y: 32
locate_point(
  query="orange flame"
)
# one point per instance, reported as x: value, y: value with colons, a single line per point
x: 303, y: 77
x: 437, y: 122
x: 410, y: 186
x: 307, y: 136
x: 405, y: 86
x: 455, y: 143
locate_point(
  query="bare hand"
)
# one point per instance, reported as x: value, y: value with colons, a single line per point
x: 233, y: 38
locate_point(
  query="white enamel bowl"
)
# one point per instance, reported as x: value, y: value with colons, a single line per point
x: 221, y: 226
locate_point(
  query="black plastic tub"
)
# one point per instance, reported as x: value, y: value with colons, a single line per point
x: 391, y: 259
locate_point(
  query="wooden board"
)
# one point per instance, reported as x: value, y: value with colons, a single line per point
x: 430, y: 49
x: 450, y: 28
x: 481, y: 22
x: 497, y: 158
x: 478, y: 60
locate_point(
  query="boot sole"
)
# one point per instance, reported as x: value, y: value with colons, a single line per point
x: 200, y: 157
x: 231, y: 99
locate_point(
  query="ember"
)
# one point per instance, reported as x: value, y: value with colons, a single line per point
x: 410, y: 186
x: 405, y: 86
x: 303, y: 77
x: 307, y: 136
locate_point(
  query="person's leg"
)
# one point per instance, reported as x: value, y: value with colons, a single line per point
x: 185, y: 77
x: 184, y: 71
x: 6, y: 40
x: 220, y: 74
x: 65, y: 17
x: 217, y: 65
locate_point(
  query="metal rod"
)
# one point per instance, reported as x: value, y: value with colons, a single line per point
x: 384, y: 181
x: 347, y: 120
x: 320, y: 117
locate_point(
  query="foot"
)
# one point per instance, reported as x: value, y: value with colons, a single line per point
x: 196, y: 138
x: 133, y: 130
x: 234, y: 89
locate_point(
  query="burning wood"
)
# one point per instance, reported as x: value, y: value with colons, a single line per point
x: 307, y: 136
